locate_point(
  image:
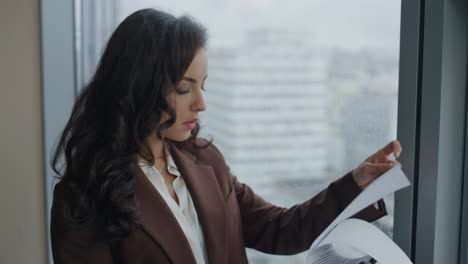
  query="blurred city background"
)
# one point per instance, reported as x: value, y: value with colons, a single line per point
x: 299, y: 92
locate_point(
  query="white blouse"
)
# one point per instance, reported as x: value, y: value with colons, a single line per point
x: 185, y: 212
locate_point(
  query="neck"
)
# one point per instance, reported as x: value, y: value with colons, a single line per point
x: 157, y: 147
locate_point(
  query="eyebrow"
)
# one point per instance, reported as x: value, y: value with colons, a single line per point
x: 192, y: 80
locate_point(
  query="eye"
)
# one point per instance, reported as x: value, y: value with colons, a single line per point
x: 203, y: 88
x: 181, y: 91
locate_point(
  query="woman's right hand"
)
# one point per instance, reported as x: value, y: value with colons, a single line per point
x: 377, y: 164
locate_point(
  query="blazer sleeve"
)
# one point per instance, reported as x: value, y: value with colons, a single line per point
x: 276, y: 230
x: 73, y: 247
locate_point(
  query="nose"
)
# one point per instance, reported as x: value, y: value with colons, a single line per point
x: 199, y: 104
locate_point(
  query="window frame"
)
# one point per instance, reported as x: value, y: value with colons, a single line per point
x: 433, y: 40
x: 464, y: 219
x: 58, y: 84
x: 431, y: 123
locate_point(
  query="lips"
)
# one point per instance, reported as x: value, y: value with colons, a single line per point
x: 191, y: 121
x: 191, y: 124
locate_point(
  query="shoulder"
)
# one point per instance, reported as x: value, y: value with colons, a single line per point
x: 62, y: 198
x: 203, y: 150
x: 66, y: 204
x: 57, y: 213
x: 59, y: 194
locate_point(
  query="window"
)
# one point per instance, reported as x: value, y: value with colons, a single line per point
x: 298, y: 94
x: 430, y: 220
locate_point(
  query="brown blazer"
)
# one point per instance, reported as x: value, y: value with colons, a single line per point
x: 231, y: 214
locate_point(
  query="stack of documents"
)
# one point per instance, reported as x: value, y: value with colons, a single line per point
x: 353, y: 241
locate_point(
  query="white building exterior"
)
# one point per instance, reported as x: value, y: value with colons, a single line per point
x: 267, y: 107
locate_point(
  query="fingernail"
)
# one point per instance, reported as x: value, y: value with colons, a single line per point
x: 398, y: 154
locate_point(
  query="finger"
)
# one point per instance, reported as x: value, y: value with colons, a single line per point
x: 397, y: 163
x: 378, y: 169
x: 370, y: 172
x: 392, y: 147
x: 388, y: 160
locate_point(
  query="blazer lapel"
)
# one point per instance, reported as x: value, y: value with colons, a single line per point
x: 208, y: 199
x: 159, y: 222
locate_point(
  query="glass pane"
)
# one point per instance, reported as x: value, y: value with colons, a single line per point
x: 299, y: 92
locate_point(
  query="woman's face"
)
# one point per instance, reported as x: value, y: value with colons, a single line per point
x: 187, y: 99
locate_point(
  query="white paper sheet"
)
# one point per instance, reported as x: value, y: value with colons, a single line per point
x: 365, y: 238
x: 328, y: 254
x: 389, y: 182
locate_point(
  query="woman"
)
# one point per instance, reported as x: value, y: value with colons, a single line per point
x: 138, y: 186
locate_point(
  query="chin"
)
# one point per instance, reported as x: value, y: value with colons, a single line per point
x: 181, y: 137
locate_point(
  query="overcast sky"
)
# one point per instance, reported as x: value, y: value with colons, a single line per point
x: 348, y: 24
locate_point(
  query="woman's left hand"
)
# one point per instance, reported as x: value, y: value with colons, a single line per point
x: 377, y: 164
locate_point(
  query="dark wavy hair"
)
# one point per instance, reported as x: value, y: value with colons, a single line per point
x: 95, y: 158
